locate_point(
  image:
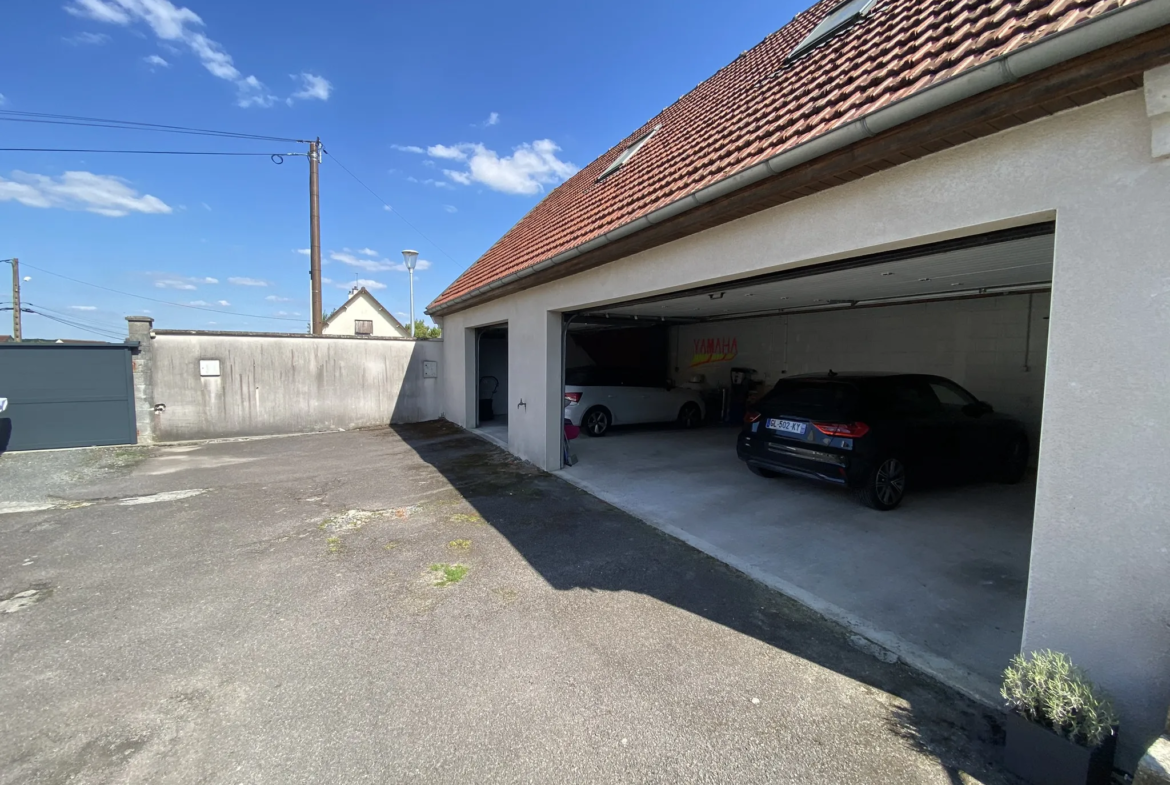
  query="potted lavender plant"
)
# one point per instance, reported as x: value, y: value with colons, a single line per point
x: 1061, y: 729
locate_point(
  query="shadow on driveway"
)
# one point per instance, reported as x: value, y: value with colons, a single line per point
x: 541, y: 517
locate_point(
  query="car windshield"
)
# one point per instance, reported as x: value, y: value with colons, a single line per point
x: 814, y: 397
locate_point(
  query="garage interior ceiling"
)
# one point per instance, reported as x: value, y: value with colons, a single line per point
x: 1007, y: 262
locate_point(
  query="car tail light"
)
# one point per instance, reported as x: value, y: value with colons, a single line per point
x: 572, y: 398
x: 850, y: 430
x: 751, y: 417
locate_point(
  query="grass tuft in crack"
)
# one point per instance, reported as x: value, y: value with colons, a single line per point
x: 334, y: 544
x: 460, y: 545
x: 448, y: 573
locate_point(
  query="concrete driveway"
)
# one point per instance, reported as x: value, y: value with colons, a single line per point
x: 394, y: 605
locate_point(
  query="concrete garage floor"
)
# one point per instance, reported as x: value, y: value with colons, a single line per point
x: 941, y: 581
x: 266, y: 611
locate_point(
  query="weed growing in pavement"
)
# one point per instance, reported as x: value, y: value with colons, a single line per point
x: 448, y: 574
x: 334, y: 544
x: 391, y: 545
x: 460, y: 545
x: 463, y: 517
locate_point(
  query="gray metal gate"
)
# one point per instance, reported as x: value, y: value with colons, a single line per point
x: 66, y: 395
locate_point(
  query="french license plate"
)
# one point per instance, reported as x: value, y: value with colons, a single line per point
x: 787, y: 426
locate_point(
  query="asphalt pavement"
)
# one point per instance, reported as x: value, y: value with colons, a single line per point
x: 410, y: 604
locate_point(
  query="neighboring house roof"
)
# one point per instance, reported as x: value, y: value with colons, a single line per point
x: 381, y: 309
x: 5, y: 338
x: 762, y: 105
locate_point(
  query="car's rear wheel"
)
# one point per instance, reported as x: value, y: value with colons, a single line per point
x: 885, y: 486
x: 690, y: 415
x: 760, y: 471
x: 1015, y: 461
x: 596, y: 421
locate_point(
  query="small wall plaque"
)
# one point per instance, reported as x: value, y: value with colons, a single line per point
x: 209, y: 367
x: 430, y: 369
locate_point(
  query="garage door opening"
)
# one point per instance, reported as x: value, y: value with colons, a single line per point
x: 492, y: 384
x: 942, y: 579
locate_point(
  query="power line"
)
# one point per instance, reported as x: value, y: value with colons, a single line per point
x: 164, y: 302
x: 67, y: 323
x: 388, y: 207
x: 274, y: 156
x: 130, y: 125
x: 116, y: 326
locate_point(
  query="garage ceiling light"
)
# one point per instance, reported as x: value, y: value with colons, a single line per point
x: 839, y: 18
x: 627, y: 154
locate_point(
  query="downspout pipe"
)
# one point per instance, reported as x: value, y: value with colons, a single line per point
x: 1109, y: 28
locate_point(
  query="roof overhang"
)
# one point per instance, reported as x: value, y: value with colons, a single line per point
x: 1090, y: 61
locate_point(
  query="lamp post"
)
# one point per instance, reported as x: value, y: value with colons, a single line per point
x: 410, y: 258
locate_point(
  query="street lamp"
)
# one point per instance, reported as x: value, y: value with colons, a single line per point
x: 410, y: 258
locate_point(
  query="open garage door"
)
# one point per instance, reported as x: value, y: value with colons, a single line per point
x: 941, y: 580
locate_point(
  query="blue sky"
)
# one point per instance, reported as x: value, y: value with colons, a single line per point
x: 460, y: 115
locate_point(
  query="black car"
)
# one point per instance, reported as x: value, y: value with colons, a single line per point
x: 874, y: 432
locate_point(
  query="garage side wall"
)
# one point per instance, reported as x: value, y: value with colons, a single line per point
x: 1100, y: 586
x: 983, y: 344
x: 277, y: 384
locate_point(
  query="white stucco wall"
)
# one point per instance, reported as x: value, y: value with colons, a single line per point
x: 363, y: 308
x: 276, y: 384
x: 1100, y: 581
x: 978, y: 343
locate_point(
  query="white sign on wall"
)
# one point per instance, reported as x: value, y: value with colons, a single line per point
x: 209, y: 367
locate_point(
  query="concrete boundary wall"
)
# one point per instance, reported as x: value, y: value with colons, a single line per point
x: 209, y: 384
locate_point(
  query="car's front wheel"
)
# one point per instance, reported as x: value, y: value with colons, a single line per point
x: 760, y: 471
x: 885, y: 485
x: 690, y: 415
x: 596, y: 421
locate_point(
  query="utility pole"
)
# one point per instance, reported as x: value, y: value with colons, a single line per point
x: 315, y: 235
x: 16, y: 299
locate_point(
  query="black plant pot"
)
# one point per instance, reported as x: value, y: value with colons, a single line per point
x: 1041, y: 757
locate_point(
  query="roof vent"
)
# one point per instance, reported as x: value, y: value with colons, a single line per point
x: 628, y: 153
x: 842, y: 15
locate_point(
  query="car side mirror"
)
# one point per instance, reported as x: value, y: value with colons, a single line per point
x: 977, y: 409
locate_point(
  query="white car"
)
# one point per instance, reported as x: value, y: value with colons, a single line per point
x: 596, y: 398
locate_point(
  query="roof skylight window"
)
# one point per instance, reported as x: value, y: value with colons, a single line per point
x: 839, y: 18
x: 627, y: 154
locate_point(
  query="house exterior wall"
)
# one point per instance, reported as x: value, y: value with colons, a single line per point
x: 276, y: 384
x: 362, y: 308
x: 978, y: 343
x: 1099, y: 586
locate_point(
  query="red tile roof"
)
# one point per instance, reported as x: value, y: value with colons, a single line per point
x: 757, y: 107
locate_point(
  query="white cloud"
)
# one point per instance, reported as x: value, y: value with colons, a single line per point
x: 198, y: 302
x: 95, y: 193
x: 429, y: 181
x: 92, y: 39
x: 303, y: 251
x: 3, y: 100
x: 408, y: 148
x: 369, y: 265
x: 178, y: 25
x: 328, y: 280
x: 387, y: 208
x: 374, y: 265
x: 167, y: 283
x: 158, y: 62
x: 526, y: 171
x: 450, y: 208
x: 367, y: 252
x: 313, y: 87
x: 272, y: 298
x: 224, y: 303
x: 247, y: 281
x: 208, y: 280
x: 456, y: 153
x: 360, y: 282
x: 83, y: 307
x: 493, y: 119
x: 206, y: 206
x: 213, y: 323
